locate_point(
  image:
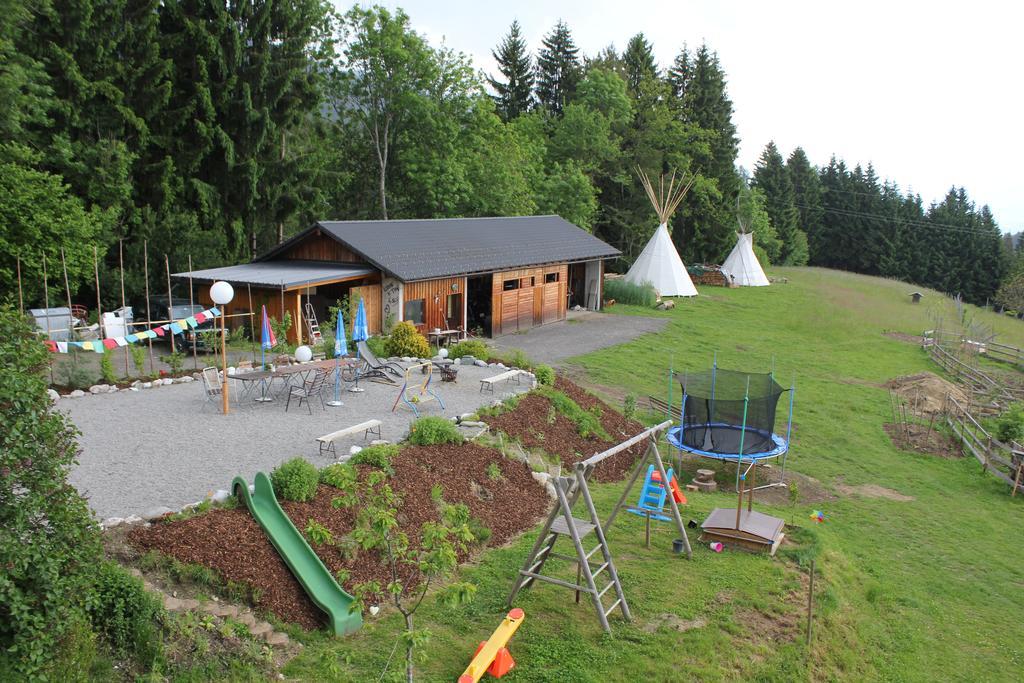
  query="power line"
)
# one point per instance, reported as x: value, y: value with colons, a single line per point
x: 910, y: 222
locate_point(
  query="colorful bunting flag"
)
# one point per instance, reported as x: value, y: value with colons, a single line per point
x: 158, y: 330
x: 110, y: 343
x: 200, y: 318
x: 120, y: 341
x: 175, y: 328
x: 62, y: 347
x: 99, y: 345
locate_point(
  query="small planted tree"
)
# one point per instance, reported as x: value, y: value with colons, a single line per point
x: 411, y: 569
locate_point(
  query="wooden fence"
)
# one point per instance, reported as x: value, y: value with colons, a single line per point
x: 1004, y: 461
x: 973, y: 378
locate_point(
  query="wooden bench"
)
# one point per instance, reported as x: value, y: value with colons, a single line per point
x: 508, y: 376
x: 327, y: 440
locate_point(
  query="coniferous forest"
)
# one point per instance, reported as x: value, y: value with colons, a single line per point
x: 214, y: 130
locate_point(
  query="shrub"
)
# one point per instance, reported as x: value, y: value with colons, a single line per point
x: 76, y: 375
x: 629, y: 406
x: 405, y: 340
x: 339, y: 475
x: 318, y: 534
x: 49, y: 544
x: 295, y: 480
x: 376, y: 456
x: 379, y: 346
x: 545, y: 375
x: 518, y: 359
x: 428, y: 431
x: 588, y: 422
x: 470, y: 347
x: 138, y: 352
x: 107, y: 367
x: 125, y: 614
x: 1010, y: 425
x: 174, y: 361
x: 628, y: 293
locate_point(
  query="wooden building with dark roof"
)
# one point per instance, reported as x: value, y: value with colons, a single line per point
x: 493, y: 276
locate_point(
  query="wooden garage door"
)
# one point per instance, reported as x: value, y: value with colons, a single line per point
x: 509, y: 311
x: 525, y: 312
x: 552, y: 302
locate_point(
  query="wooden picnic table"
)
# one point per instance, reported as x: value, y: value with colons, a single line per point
x: 444, y: 337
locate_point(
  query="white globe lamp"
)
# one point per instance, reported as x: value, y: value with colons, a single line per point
x: 443, y: 352
x: 222, y: 293
x: 303, y: 354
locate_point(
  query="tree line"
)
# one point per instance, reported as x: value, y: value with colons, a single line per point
x: 214, y: 130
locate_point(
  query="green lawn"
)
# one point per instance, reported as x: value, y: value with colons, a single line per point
x: 921, y: 590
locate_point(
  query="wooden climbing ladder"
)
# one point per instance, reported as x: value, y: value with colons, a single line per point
x: 312, y: 326
x: 561, y: 523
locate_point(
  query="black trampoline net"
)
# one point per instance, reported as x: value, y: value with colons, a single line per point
x: 713, y: 415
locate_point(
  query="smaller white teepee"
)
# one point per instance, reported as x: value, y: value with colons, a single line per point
x: 659, y: 262
x: 742, y: 266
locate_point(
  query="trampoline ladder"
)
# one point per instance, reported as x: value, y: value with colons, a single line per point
x: 562, y: 523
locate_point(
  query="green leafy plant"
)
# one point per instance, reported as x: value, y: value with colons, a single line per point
x: 107, y: 367
x: 49, y: 542
x: 624, y: 292
x: 431, y: 430
x: 545, y: 375
x: 174, y: 361
x: 295, y: 480
x: 493, y: 471
x: 469, y: 347
x: 405, y: 340
x: 138, y: 353
x: 124, y: 613
x: 379, y: 346
x: 280, y: 328
x: 339, y: 475
x: 588, y: 422
x: 517, y: 358
x: 1010, y: 425
x: 437, y: 493
x: 629, y: 406
x: 75, y: 374
x: 433, y: 560
x: 379, y: 456
x: 318, y: 534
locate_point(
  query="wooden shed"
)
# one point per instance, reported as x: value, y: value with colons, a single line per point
x: 492, y: 276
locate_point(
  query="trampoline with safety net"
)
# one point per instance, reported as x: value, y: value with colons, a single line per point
x: 729, y: 415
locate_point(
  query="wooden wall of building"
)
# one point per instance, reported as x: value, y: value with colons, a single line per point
x: 534, y: 302
x: 371, y: 300
x: 242, y: 313
x: 320, y: 247
x: 435, y: 300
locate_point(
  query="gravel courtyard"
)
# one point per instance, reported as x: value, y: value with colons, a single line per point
x: 168, y: 447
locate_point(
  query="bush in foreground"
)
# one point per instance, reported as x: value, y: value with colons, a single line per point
x: 469, y: 347
x: 295, y: 480
x: 126, y: 614
x: 379, y: 456
x: 49, y: 542
x: 545, y: 375
x: 405, y: 340
x: 428, y: 431
x: 628, y: 293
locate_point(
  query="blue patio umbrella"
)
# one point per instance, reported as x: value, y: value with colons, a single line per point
x: 340, y: 349
x: 360, y: 332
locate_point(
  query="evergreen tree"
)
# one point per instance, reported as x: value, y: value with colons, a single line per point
x: 679, y: 75
x: 771, y: 178
x: 558, y: 69
x: 807, y: 200
x: 515, y: 93
x: 638, y: 60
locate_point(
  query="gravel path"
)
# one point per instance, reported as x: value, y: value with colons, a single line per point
x: 582, y: 332
x: 168, y: 447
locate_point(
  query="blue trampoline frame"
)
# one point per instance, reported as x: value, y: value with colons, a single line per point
x: 674, y: 437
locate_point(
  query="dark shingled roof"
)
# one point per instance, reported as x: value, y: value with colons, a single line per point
x: 443, y: 247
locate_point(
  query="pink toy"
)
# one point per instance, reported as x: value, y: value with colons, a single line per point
x: 716, y: 546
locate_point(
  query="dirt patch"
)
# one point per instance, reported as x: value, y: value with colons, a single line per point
x: 674, y: 623
x: 782, y: 625
x: 534, y: 423
x: 920, y: 439
x: 904, y: 337
x: 871, y: 491
x: 925, y: 393
x: 231, y: 542
x: 809, y: 490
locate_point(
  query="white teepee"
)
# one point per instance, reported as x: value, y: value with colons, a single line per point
x: 659, y: 262
x: 742, y: 266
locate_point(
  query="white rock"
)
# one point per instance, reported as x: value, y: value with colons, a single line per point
x: 354, y: 450
x: 156, y: 513
x: 197, y: 375
x: 501, y: 366
x: 472, y: 423
x: 147, y: 385
x: 54, y: 396
x: 137, y: 383
x: 132, y: 519
x: 407, y: 359
x: 124, y: 389
x: 379, y: 442
x: 186, y: 380
x: 540, y: 477
x: 111, y: 522
x: 168, y: 381
x: 77, y: 393
x: 134, y: 389
x: 252, y: 488
x: 99, y: 388
x: 220, y: 496
x: 550, y: 488
x: 480, y: 364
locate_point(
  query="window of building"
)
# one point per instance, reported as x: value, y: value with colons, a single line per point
x: 551, y: 277
x: 414, y: 311
x: 509, y: 285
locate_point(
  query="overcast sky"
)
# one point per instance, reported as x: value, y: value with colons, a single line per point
x: 930, y: 93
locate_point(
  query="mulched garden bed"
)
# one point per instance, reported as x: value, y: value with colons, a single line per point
x: 529, y: 422
x: 231, y: 542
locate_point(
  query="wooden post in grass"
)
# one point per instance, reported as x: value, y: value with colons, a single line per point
x: 252, y: 324
x: 191, y: 311
x: 120, y: 258
x: 149, y: 315
x: 810, y: 604
x: 170, y: 301
x: 1016, y: 480
x: 67, y: 292
x: 96, y: 272
x: 46, y: 308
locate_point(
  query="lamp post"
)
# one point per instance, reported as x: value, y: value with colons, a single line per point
x: 222, y: 293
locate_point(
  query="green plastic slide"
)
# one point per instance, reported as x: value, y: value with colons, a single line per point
x: 315, y: 578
